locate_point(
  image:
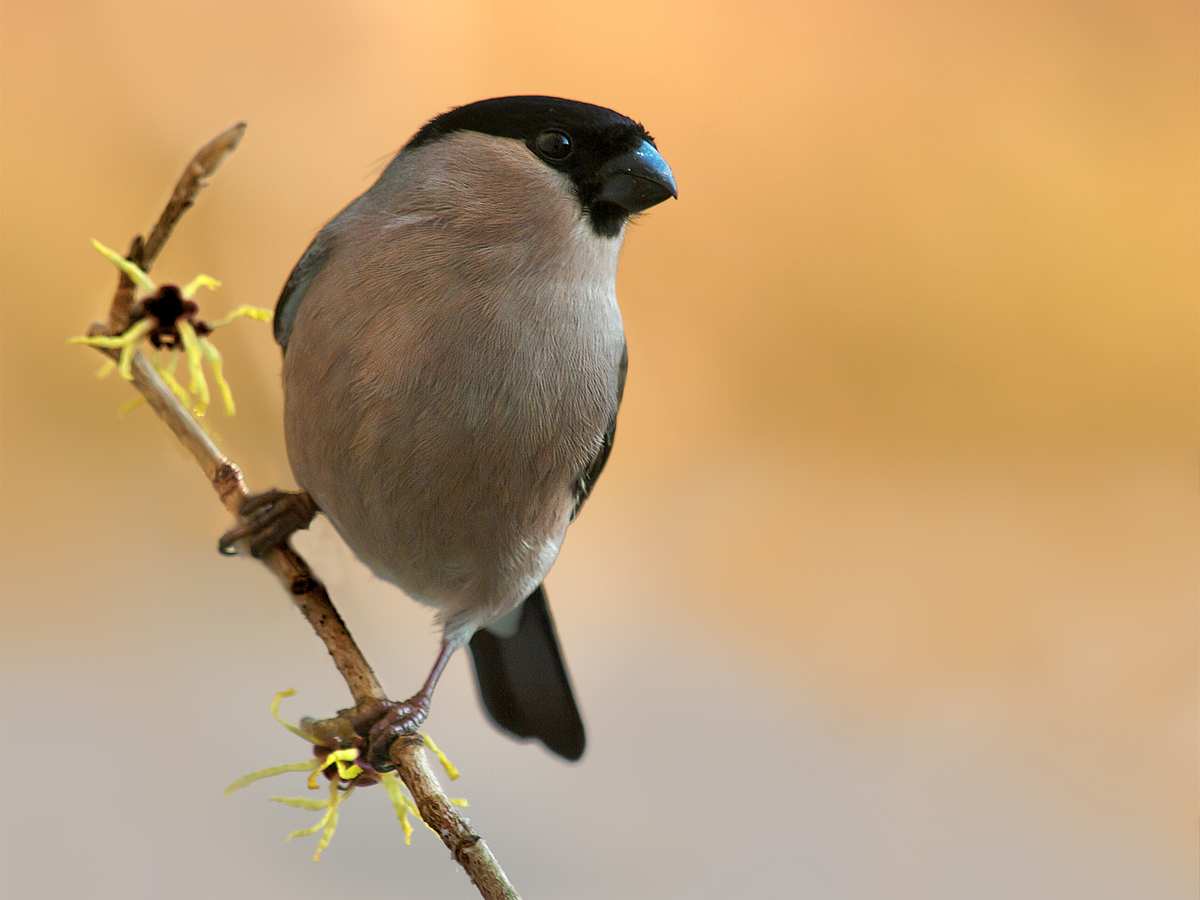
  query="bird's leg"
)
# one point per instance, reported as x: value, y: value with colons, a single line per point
x: 382, y: 721
x: 268, y: 519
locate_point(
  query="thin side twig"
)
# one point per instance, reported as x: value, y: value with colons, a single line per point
x: 206, y: 161
x: 306, y: 591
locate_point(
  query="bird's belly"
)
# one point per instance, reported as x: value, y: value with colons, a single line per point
x: 449, y: 468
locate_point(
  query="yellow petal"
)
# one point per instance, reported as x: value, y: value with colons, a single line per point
x: 271, y: 772
x: 302, y: 803
x: 167, y: 373
x: 247, y: 311
x: 302, y: 832
x: 331, y: 819
x: 340, y: 758
x: 400, y: 803
x: 189, y: 290
x: 446, y: 764
x: 131, y: 339
x: 126, y: 343
x: 100, y: 340
x: 214, y: 359
x: 290, y: 692
x: 191, y: 346
x: 136, y: 275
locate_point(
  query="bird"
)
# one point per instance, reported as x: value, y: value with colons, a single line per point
x: 453, y: 362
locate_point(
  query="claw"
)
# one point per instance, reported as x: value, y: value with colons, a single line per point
x: 268, y: 520
x: 383, y: 722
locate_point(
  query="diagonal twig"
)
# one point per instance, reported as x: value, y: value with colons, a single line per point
x: 206, y: 161
x: 306, y: 591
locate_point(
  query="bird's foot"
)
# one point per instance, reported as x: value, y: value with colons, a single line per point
x: 381, y: 722
x: 268, y: 520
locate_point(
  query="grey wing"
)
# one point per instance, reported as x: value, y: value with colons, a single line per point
x: 298, y: 284
x: 583, y: 487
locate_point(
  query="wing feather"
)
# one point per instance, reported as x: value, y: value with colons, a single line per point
x: 592, y: 473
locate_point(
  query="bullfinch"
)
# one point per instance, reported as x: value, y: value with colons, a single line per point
x: 453, y: 362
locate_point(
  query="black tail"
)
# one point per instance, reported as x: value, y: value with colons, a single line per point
x: 523, y: 681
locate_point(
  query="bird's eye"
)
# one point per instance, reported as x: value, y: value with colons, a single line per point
x: 553, y: 145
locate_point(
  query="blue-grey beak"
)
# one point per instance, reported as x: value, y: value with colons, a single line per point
x: 637, y: 180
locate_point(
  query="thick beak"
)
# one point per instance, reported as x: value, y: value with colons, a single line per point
x: 637, y: 180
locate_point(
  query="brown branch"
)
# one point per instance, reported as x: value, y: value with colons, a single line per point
x: 298, y: 579
x: 206, y: 161
x: 469, y: 849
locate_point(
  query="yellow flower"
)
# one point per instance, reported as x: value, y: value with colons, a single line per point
x: 345, y: 773
x: 168, y: 319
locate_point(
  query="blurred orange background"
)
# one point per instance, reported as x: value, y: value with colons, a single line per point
x: 890, y: 587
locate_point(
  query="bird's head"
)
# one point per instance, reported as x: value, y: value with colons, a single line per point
x: 611, y: 161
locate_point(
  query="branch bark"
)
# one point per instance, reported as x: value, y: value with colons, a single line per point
x: 306, y: 591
